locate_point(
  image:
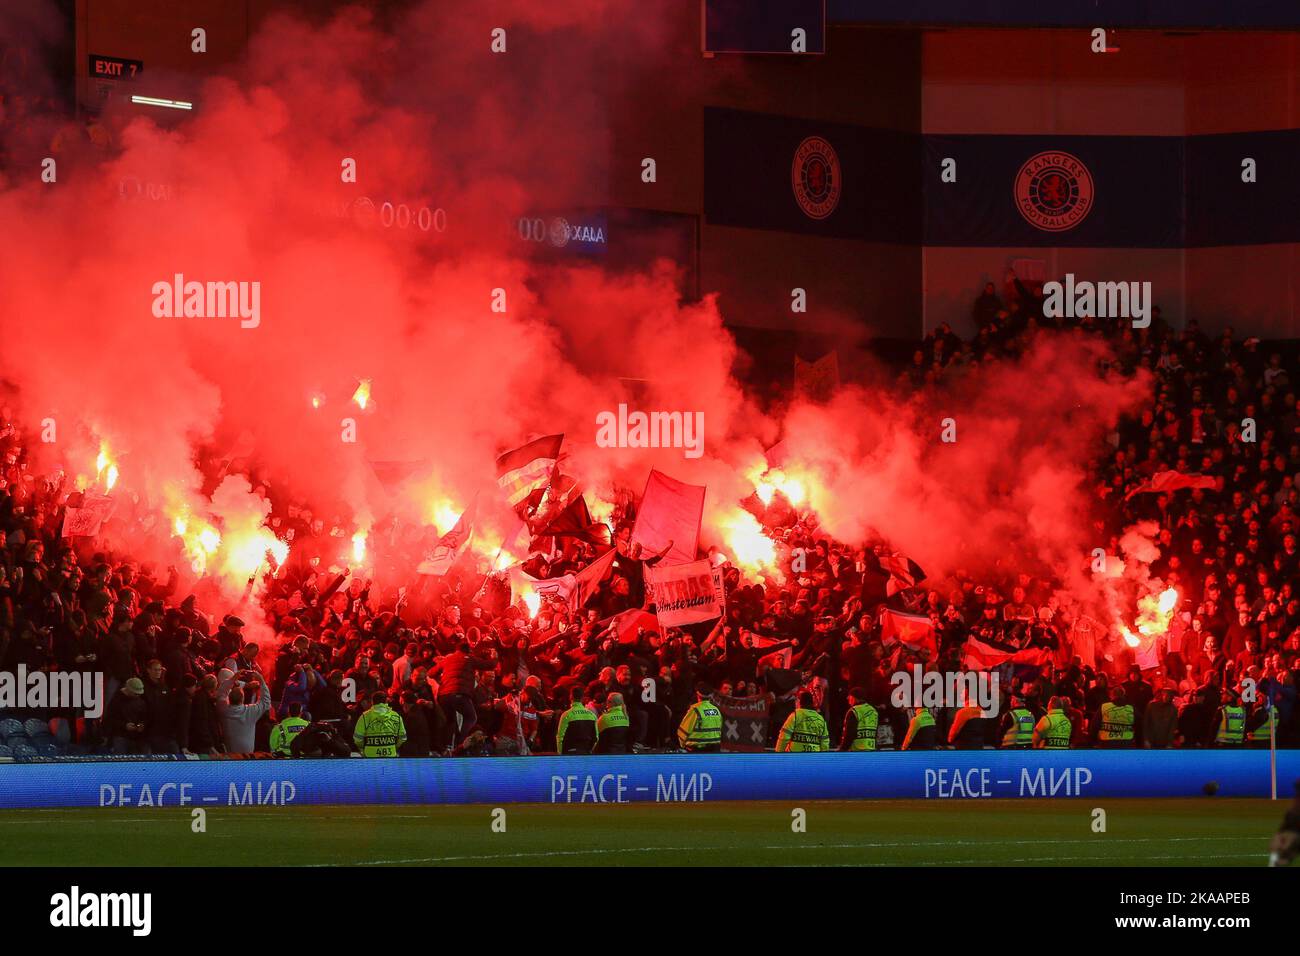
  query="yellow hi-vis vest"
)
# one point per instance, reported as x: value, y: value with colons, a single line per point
x: 804, y: 731
x: 701, y: 727
x: 1232, y: 726
x: 1261, y: 734
x: 868, y: 721
x: 1021, y: 731
x: 282, y: 734
x: 1116, y: 722
x: 1056, y: 735
x: 379, y: 732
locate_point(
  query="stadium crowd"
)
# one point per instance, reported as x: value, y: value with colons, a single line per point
x: 470, y: 673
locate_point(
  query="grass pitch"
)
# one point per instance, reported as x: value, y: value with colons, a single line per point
x: 1139, y: 832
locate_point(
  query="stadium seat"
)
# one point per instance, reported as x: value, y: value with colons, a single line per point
x: 5, y: 752
x: 34, y: 727
x: 10, y: 728
x: 23, y: 750
x: 60, y: 730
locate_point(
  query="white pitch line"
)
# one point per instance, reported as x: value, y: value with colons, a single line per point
x: 796, y: 846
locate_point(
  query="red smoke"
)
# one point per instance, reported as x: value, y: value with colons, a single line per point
x: 434, y: 119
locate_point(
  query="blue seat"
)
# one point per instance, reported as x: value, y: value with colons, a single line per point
x: 17, y: 740
x: 10, y: 728
x: 34, y: 727
x: 60, y: 730
x: 23, y: 750
x: 5, y: 752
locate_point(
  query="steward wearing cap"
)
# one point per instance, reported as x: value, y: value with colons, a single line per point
x: 921, y: 732
x: 282, y: 734
x: 1018, y: 726
x: 380, y: 730
x: 804, y: 731
x: 1116, y: 725
x: 860, y: 723
x: 1232, y: 722
x: 1052, y: 732
x: 612, y: 727
x: 576, y: 732
x: 701, y: 729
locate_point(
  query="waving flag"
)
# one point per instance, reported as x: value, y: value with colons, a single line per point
x: 527, y: 469
x: 671, y: 510
x: 588, y: 580
x: 451, y: 545
x: 1163, y: 481
x: 903, y: 573
x: 911, y: 630
x: 978, y: 655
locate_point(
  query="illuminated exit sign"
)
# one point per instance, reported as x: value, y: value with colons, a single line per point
x: 114, y: 68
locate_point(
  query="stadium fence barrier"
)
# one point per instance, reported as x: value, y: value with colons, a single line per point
x: 647, y: 778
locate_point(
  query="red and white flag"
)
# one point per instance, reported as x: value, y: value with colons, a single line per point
x: 526, y: 469
x: 1163, y: 481
x: 671, y: 510
x: 980, y: 656
x: 914, y: 631
x: 451, y: 545
x: 87, y: 520
x: 587, y: 581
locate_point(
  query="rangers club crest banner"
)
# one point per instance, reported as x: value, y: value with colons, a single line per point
x: 1117, y: 191
x: 685, y: 593
x: 793, y: 174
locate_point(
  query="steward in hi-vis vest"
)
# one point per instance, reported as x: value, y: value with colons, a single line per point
x: 380, y: 730
x: 1018, y: 726
x: 1232, y: 722
x: 1259, y: 728
x: 860, y: 723
x: 576, y: 732
x: 701, y: 729
x: 612, y: 727
x: 1053, y: 730
x: 804, y: 731
x: 1115, y: 728
x: 282, y: 734
x: 921, y: 732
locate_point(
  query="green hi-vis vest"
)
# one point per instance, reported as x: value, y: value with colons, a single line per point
x: 1116, y: 722
x: 379, y: 732
x: 282, y: 734
x: 1057, y: 736
x: 1021, y: 731
x: 868, y: 720
x: 701, y: 727
x: 804, y: 731
x: 1232, y: 726
x: 1261, y: 733
x: 614, y: 717
x: 578, y: 711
